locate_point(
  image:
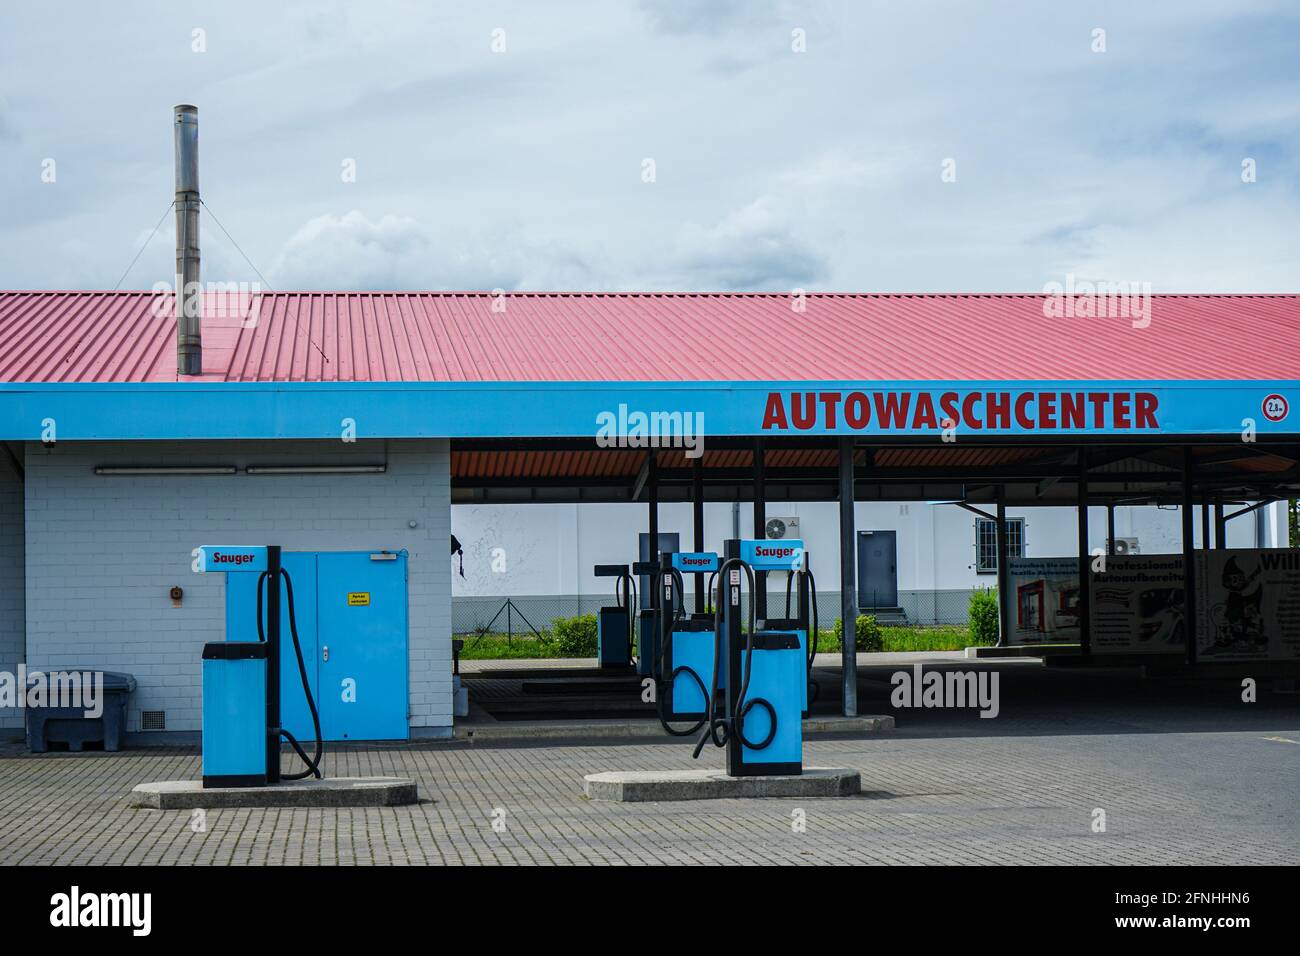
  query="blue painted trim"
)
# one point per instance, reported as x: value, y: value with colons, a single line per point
x: 238, y: 410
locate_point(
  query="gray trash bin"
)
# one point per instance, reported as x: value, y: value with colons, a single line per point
x: 71, y: 727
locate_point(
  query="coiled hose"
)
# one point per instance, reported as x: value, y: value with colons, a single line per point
x: 313, y: 763
x: 720, y: 729
x: 658, y: 674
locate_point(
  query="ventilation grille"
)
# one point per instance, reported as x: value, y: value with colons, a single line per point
x: 153, y: 720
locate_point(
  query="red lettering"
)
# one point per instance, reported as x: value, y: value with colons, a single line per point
x: 829, y: 401
x: 857, y: 410
x: 1023, y: 418
x: 891, y: 409
x: 1146, y: 410
x: 774, y: 414
x: 1121, y: 410
x: 1098, y: 401
x: 999, y: 409
x: 1047, y: 410
x: 948, y: 405
x: 805, y: 417
x: 968, y: 412
x: 924, y: 417
x: 1072, y: 409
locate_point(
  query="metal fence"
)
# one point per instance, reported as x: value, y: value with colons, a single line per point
x: 521, y: 614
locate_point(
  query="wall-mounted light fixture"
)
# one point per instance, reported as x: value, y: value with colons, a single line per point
x: 127, y: 470
x: 316, y: 469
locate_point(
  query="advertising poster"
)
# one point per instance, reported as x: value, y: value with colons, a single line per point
x: 1137, y: 605
x: 1046, y: 596
x: 1249, y: 606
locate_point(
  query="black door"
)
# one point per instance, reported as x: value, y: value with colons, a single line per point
x: 877, y: 569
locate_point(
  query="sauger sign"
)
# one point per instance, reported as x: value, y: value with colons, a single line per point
x: 1004, y: 411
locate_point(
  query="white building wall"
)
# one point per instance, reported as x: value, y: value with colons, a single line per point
x: 103, y: 552
x: 550, y: 549
x: 11, y: 579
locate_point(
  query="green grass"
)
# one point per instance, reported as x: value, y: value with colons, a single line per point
x: 941, y: 638
x: 494, y: 647
x: 944, y: 637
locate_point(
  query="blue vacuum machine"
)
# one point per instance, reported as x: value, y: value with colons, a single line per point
x: 742, y: 683
x: 241, y: 681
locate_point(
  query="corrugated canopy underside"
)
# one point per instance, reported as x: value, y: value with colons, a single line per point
x: 530, y: 337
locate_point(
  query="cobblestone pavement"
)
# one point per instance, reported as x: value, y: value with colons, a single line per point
x: 1184, y: 772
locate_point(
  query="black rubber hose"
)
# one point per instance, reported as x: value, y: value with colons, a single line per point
x: 814, y: 690
x: 633, y: 616
x: 313, y: 764
x: 740, y: 724
x: 683, y: 669
x: 719, y: 728
x: 261, y: 634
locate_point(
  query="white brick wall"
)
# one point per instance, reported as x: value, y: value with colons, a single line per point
x: 103, y: 552
x: 11, y: 579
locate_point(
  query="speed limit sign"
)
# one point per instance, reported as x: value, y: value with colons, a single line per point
x: 1275, y: 408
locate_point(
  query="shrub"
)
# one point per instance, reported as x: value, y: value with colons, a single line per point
x: 575, y: 636
x: 867, y: 633
x: 984, y: 617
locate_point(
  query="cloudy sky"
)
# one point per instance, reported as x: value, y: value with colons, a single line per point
x: 509, y: 145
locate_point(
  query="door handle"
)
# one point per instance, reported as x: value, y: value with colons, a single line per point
x: 325, y: 653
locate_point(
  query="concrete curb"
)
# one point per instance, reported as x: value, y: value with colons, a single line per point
x: 330, y: 792
x: 526, y: 730
x: 641, y: 786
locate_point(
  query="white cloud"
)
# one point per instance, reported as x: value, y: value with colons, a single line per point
x: 521, y: 170
x: 397, y: 252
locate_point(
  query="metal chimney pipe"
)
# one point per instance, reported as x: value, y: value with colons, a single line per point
x: 189, y: 297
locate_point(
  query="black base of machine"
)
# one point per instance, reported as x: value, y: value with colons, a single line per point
x: 743, y: 769
x: 234, y: 780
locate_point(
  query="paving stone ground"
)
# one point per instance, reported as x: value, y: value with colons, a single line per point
x: 1184, y: 772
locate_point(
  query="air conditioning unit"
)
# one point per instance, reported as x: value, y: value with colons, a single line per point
x: 782, y: 528
x: 1124, y: 546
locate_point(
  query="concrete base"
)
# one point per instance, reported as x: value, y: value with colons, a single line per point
x: 330, y: 792
x: 639, y: 786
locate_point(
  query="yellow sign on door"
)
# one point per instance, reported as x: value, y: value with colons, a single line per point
x: 358, y: 599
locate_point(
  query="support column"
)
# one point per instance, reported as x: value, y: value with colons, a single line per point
x: 1110, y: 528
x: 760, y: 526
x: 652, y: 497
x: 1189, y: 558
x: 848, y: 579
x: 697, y: 523
x: 1205, y: 524
x: 1004, y: 572
x: 1085, y: 559
x: 1220, y: 525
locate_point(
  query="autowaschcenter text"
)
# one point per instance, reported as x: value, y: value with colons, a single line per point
x: 973, y: 411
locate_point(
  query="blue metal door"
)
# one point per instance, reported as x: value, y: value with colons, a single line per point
x: 362, y: 666
x: 241, y: 625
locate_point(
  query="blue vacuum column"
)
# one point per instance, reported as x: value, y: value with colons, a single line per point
x: 688, y: 644
x: 234, y: 714
x: 766, y: 676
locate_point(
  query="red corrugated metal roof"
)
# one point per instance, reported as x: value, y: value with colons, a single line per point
x: 415, y: 336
